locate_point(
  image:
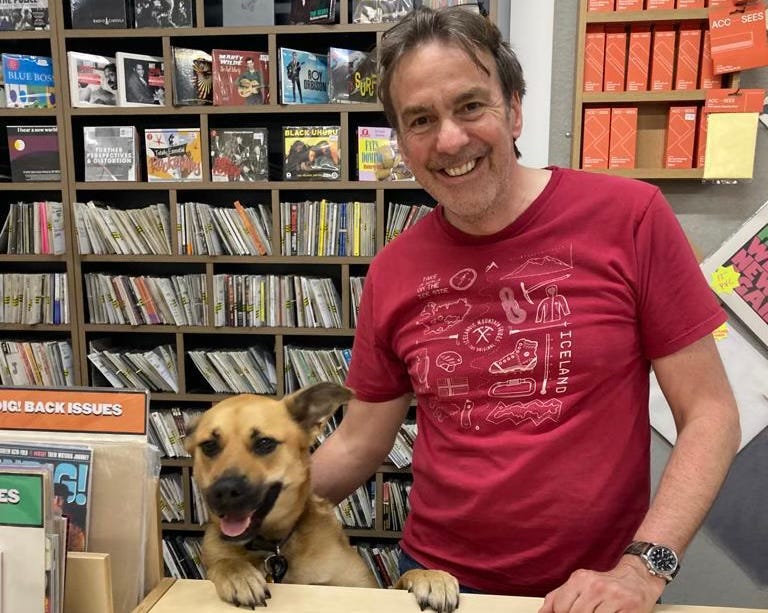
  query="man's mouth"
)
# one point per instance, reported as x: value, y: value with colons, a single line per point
x: 461, y: 170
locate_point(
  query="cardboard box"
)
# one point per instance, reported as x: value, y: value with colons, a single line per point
x: 623, y: 139
x: 638, y: 60
x: 594, y: 58
x: 595, y: 138
x: 701, y: 139
x: 662, y: 57
x: 629, y: 5
x: 681, y: 135
x: 707, y: 77
x: 600, y: 6
x: 688, y: 54
x: 615, y: 68
x: 653, y: 5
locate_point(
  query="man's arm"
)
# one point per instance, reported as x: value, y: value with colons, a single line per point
x: 696, y: 387
x: 357, y: 447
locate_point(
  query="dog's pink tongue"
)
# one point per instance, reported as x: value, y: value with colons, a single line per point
x: 235, y: 525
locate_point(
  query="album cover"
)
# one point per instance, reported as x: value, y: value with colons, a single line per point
x: 111, y: 153
x: 34, y: 152
x: 96, y: 14
x: 192, y: 77
x: 173, y: 154
x: 380, y: 11
x: 354, y: 76
x: 312, y: 11
x: 248, y: 12
x: 303, y: 77
x: 28, y: 81
x: 742, y: 260
x: 239, y: 154
x: 24, y: 15
x: 92, y: 79
x: 162, y: 13
x: 311, y: 153
x: 140, y: 79
x: 378, y: 156
x: 240, y: 77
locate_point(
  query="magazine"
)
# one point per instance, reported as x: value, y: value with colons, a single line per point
x: 173, y: 154
x: 71, y: 481
x: 738, y: 273
x: 303, y: 77
x: 92, y: 79
x: 240, y: 77
x: 239, y: 154
x: 24, y: 15
x: 311, y: 153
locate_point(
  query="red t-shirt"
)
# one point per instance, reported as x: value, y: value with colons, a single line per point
x: 529, y: 353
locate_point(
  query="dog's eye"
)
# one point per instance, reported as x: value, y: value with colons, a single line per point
x: 264, y: 445
x: 210, y: 447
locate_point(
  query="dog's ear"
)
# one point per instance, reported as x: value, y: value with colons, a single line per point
x: 311, y: 406
x: 189, y: 436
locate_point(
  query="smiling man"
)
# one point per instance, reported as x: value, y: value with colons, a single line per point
x: 525, y: 313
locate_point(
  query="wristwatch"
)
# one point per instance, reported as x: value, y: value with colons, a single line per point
x: 661, y: 561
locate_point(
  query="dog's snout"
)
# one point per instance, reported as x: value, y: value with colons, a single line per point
x: 228, y: 492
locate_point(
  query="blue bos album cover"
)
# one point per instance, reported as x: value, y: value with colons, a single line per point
x: 28, y: 81
x: 303, y: 77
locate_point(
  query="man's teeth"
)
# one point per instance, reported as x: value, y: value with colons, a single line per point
x: 457, y: 171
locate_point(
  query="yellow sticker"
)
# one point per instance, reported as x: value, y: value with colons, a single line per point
x: 721, y: 333
x: 724, y: 280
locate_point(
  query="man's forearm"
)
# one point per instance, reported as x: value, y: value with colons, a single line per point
x: 694, y: 473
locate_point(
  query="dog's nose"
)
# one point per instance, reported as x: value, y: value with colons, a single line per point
x: 227, y: 492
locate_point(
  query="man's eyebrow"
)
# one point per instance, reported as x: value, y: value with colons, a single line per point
x: 410, y: 111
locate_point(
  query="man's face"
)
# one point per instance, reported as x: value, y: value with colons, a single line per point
x: 456, y: 130
x: 250, y: 65
x: 140, y: 70
x: 110, y: 78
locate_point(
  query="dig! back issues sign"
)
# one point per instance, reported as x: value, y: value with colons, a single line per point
x: 74, y: 410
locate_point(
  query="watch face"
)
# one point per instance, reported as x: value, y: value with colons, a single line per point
x: 663, y: 559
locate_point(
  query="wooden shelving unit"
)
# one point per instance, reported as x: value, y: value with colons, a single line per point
x: 72, y: 188
x: 653, y: 106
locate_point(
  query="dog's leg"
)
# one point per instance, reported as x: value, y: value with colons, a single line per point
x: 435, y: 589
x: 236, y: 579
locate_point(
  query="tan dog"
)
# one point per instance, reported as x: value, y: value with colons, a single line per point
x: 251, y: 460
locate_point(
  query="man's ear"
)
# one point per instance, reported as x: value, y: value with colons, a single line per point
x: 516, y: 116
x: 312, y: 406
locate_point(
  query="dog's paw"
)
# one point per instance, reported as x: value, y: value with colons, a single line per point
x: 435, y: 589
x: 240, y: 583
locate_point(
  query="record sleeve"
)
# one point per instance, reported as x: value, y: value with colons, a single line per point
x: 312, y: 153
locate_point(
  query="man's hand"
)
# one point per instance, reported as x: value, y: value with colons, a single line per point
x: 628, y: 588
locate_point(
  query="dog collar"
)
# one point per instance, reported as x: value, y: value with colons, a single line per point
x: 275, y: 564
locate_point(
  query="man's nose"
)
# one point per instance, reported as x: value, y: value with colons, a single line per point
x: 451, y: 136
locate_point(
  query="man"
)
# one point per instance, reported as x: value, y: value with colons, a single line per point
x: 250, y: 84
x: 137, y: 87
x: 294, y: 74
x: 531, y: 465
x: 105, y: 93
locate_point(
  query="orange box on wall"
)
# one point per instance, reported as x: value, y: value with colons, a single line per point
x: 660, y: 4
x: 623, y: 140
x: 662, y: 57
x: 707, y: 77
x: 690, y: 4
x: 716, y: 3
x: 681, y: 135
x: 615, y: 68
x: 688, y: 52
x: 594, y: 58
x: 638, y: 61
x: 595, y: 138
x: 600, y: 6
x: 629, y: 5
x: 701, y: 139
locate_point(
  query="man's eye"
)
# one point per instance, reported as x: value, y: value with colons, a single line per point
x: 264, y: 445
x: 419, y: 124
x: 210, y: 448
x: 471, y: 107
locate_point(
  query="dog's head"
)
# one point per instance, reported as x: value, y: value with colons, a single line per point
x: 251, y: 458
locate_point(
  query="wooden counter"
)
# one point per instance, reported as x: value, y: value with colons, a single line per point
x: 185, y: 596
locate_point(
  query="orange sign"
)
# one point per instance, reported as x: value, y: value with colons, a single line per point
x: 737, y: 37
x: 73, y: 410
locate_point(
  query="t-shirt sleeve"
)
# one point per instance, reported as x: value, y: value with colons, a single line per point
x: 376, y: 374
x: 675, y: 305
